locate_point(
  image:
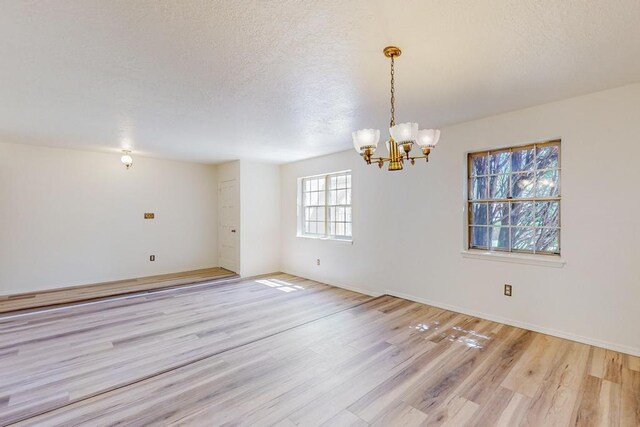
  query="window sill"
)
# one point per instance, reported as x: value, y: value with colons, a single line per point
x: 540, y: 260
x: 329, y: 239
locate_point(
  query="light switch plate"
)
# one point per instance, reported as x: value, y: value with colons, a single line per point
x: 508, y: 290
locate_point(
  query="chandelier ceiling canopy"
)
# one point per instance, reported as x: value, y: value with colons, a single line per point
x: 402, y: 136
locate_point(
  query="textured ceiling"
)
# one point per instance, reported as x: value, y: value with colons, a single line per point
x: 286, y: 80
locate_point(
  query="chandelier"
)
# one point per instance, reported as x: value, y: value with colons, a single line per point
x: 403, y: 135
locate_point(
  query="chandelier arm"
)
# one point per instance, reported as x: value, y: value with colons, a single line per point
x: 384, y: 159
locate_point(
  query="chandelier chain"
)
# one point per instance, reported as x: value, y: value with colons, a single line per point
x: 393, y: 94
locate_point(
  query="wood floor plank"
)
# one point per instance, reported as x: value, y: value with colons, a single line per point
x: 344, y: 419
x: 527, y: 376
x: 99, y: 290
x: 632, y: 362
x: 629, y: 408
x: 597, y: 362
x: 145, y: 337
x: 515, y: 411
x: 402, y: 414
x: 555, y: 399
x: 251, y: 353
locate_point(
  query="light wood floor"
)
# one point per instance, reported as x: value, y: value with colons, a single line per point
x: 288, y: 351
x: 99, y: 290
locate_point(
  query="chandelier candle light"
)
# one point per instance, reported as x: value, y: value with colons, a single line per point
x: 403, y: 135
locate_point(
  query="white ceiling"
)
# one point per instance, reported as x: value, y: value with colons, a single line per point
x: 285, y: 80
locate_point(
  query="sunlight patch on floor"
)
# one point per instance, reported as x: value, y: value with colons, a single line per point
x: 280, y: 285
x: 458, y: 334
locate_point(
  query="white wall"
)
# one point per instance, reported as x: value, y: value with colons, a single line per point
x: 70, y: 217
x: 260, y: 218
x: 408, y: 230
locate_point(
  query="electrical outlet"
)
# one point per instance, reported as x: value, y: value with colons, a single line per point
x: 152, y: 258
x: 507, y: 290
x: 318, y: 261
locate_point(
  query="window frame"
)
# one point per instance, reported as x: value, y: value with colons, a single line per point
x: 510, y: 252
x: 301, y: 214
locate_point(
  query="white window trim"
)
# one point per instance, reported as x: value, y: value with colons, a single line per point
x: 300, y: 216
x: 348, y: 241
x: 542, y: 260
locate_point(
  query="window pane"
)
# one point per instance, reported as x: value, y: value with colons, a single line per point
x: 547, y: 184
x: 478, y: 188
x: 478, y: 237
x: 522, y: 185
x: 478, y: 213
x: 547, y: 240
x: 332, y: 197
x: 326, y: 202
x: 522, y: 238
x: 499, y: 238
x: 522, y: 160
x: 479, y: 165
x: 548, y: 214
x: 522, y: 214
x: 499, y: 213
x: 500, y: 162
x: 499, y: 218
x: 499, y: 187
x: 547, y: 157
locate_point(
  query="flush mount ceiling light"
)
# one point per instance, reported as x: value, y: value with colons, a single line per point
x: 404, y: 135
x: 126, y: 159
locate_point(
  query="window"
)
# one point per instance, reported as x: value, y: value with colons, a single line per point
x: 326, y: 206
x: 513, y: 199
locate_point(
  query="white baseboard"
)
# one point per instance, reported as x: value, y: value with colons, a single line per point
x: 358, y: 290
x: 337, y: 285
x: 511, y: 322
x: 560, y: 334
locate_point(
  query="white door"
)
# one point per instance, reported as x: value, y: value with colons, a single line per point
x: 228, y: 225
